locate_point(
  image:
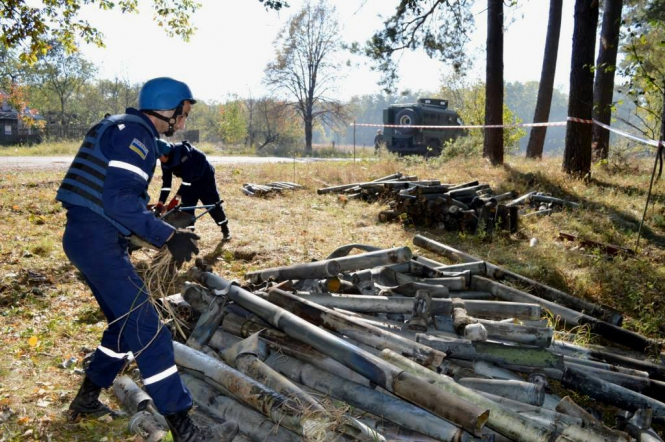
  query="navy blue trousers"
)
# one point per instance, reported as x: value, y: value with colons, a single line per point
x: 205, y: 190
x: 99, y: 252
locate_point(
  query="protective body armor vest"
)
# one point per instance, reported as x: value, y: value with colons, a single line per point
x: 83, y: 184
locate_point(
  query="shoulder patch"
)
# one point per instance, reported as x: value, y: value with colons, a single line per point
x: 139, y: 148
x: 184, y: 158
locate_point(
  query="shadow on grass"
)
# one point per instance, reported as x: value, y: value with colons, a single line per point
x: 622, y: 220
x: 509, y: 251
x: 217, y: 252
x: 631, y: 191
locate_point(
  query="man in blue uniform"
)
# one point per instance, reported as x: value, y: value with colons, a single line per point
x: 104, y: 192
x: 198, y: 181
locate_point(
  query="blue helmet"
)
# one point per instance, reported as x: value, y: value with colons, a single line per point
x: 163, y: 147
x: 164, y: 93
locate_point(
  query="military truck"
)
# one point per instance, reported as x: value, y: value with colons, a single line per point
x: 417, y: 141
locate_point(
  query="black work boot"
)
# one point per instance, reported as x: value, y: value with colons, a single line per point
x: 86, y: 402
x: 183, y: 429
x: 226, y: 235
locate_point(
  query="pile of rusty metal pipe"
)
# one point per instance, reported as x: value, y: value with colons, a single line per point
x: 381, y: 189
x: 380, y: 344
x: 418, y: 349
x: 268, y: 189
x: 539, y: 203
x: 471, y: 206
x: 466, y: 206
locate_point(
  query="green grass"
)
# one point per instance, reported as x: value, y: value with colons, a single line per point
x: 299, y: 226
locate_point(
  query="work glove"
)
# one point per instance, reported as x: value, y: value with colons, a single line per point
x: 182, y: 246
x: 159, y: 208
x: 174, y: 202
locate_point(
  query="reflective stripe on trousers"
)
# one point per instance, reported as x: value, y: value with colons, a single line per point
x: 97, y: 249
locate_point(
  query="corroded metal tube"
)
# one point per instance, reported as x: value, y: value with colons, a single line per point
x: 506, y: 422
x: 280, y: 341
x: 493, y: 352
x: 440, y: 306
x: 532, y: 394
x: 611, y: 332
x: 404, y: 385
x: 580, y: 354
x: 368, y: 399
x: 540, y: 290
x: 310, y: 270
x: 135, y: 399
x: 144, y: 425
x: 251, y: 423
x: 374, y: 259
x: 610, y: 393
x: 359, y: 330
x: 502, y: 420
x: 443, y: 250
x: 250, y: 392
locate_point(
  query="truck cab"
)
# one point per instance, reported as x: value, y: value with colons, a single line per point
x: 408, y: 138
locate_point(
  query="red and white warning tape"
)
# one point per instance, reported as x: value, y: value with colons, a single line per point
x: 468, y: 126
x: 654, y: 143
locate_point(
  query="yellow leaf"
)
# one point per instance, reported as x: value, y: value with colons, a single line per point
x: 33, y: 341
x: 24, y: 420
x: 16, y: 207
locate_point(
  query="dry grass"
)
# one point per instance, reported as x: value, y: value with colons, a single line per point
x: 44, y: 321
x: 70, y: 147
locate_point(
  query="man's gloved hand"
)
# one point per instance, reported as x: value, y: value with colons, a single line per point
x: 182, y: 246
x: 174, y: 202
x: 159, y: 208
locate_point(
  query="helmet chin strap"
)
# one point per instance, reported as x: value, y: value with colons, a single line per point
x: 170, y: 120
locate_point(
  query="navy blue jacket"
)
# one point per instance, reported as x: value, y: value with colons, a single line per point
x: 187, y: 163
x: 130, y: 152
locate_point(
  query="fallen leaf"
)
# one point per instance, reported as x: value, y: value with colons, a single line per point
x: 23, y: 420
x: 33, y: 341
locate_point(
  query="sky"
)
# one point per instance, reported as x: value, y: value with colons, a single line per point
x: 234, y: 42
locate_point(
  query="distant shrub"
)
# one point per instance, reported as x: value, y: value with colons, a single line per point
x: 465, y: 147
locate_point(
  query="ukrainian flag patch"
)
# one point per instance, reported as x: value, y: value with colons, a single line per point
x: 139, y: 148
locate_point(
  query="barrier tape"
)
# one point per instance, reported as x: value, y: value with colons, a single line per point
x: 479, y: 126
x: 654, y: 143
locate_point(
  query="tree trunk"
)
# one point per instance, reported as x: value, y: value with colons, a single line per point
x: 493, y: 147
x: 62, y: 111
x: 542, y: 114
x: 603, y: 87
x: 308, y: 134
x: 577, y: 153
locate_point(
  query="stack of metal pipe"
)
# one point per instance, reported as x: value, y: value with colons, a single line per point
x: 268, y: 189
x: 469, y: 207
x: 386, y: 345
x: 539, y: 203
x: 380, y: 189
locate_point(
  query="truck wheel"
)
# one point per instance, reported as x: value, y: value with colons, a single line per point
x: 406, y: 117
